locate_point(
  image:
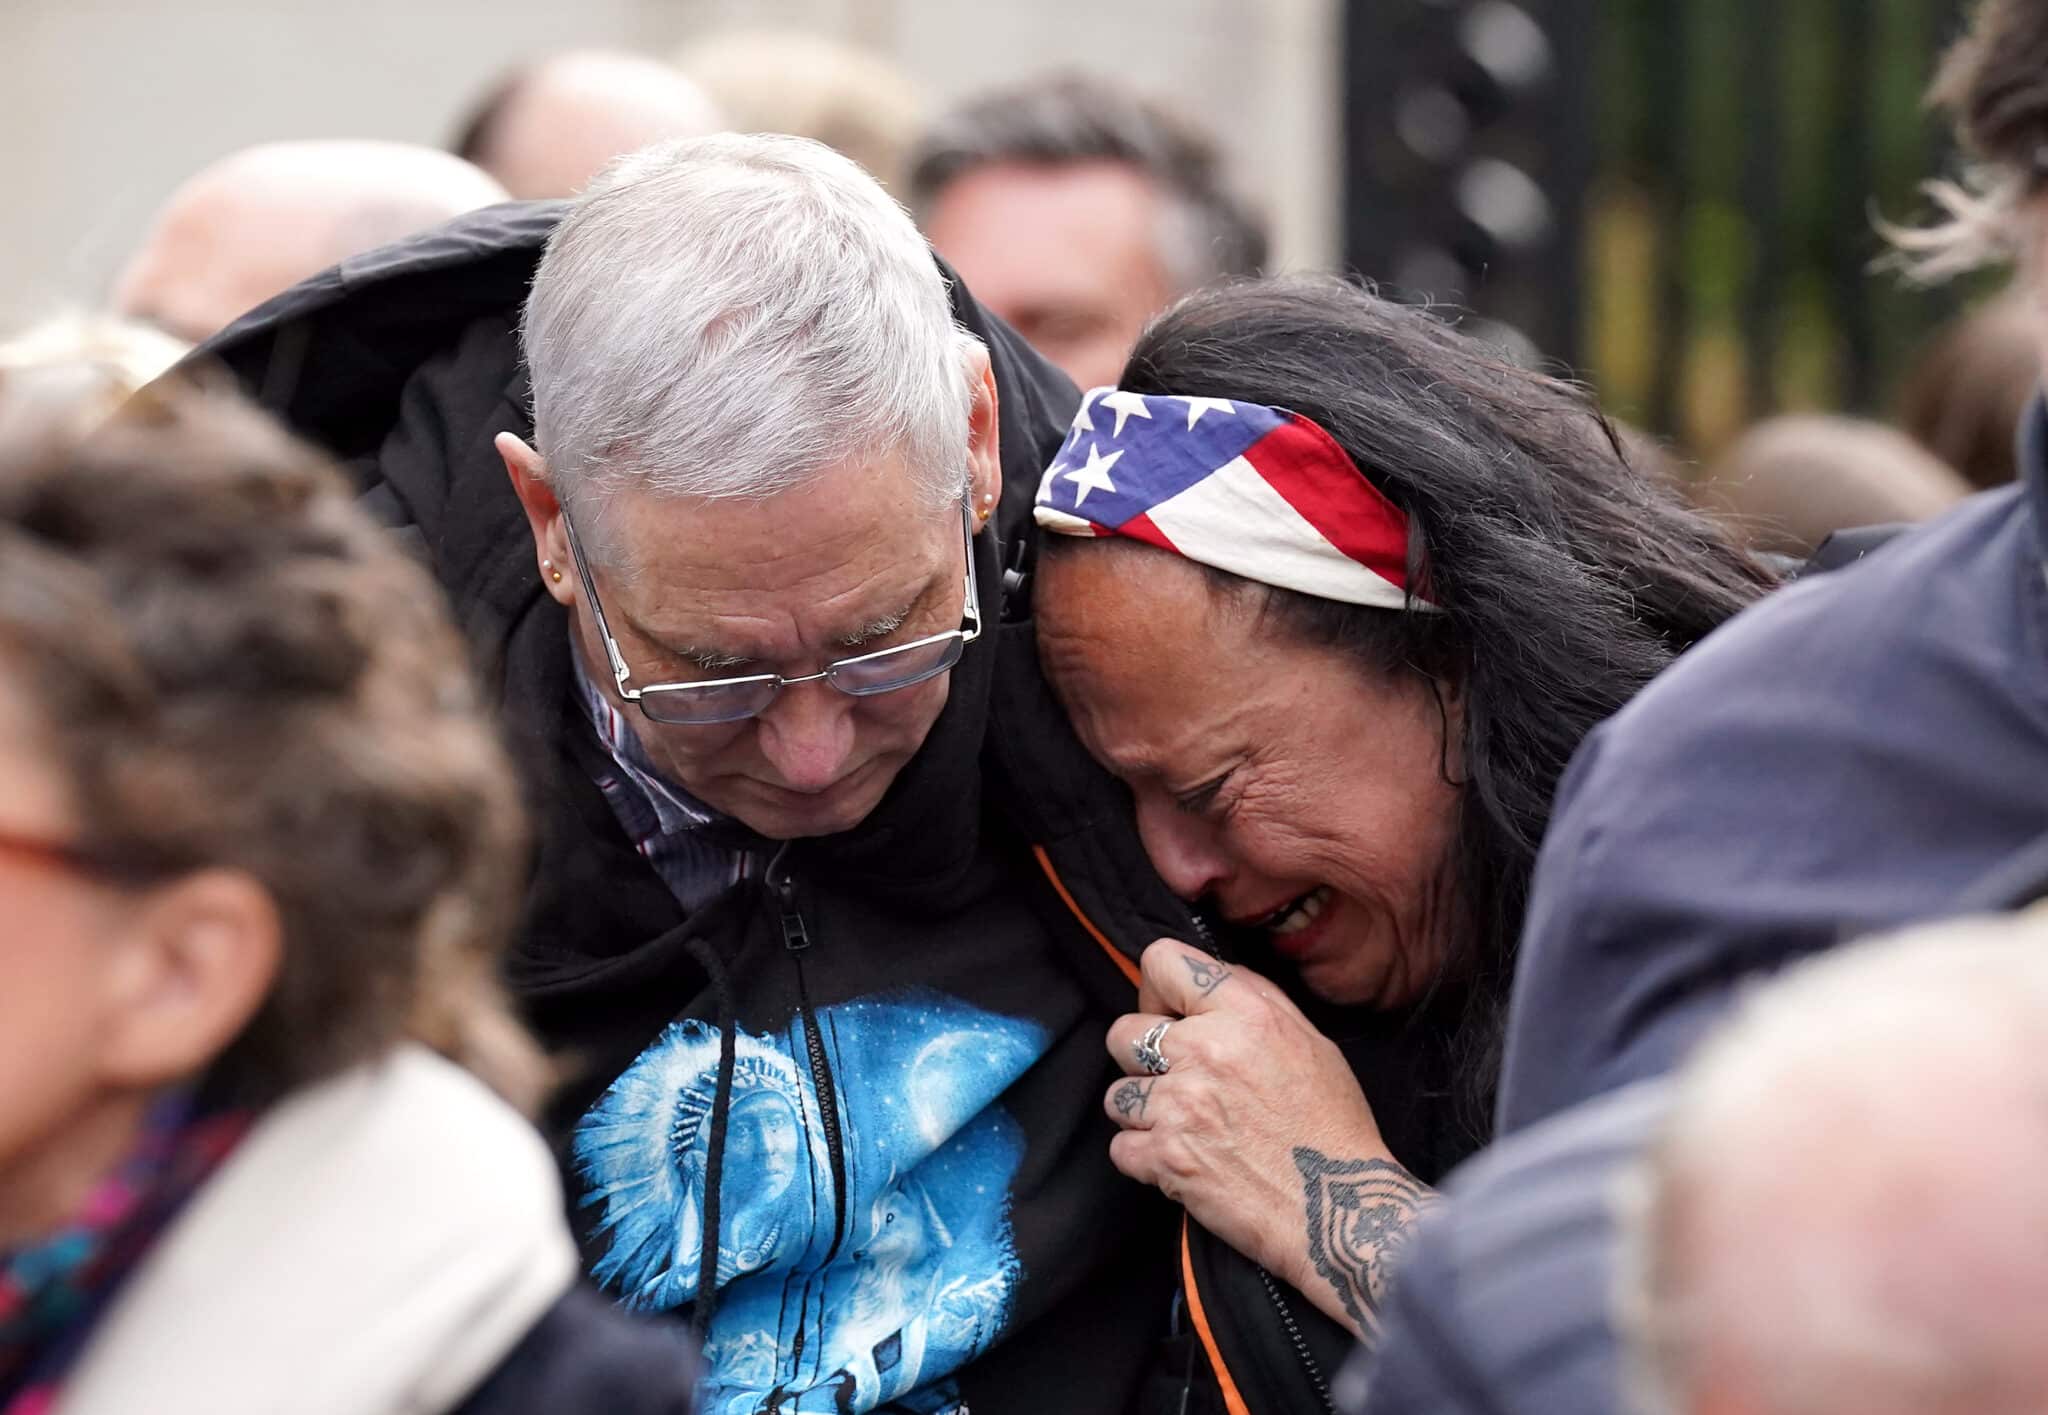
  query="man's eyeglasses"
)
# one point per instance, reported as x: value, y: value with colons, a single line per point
x: 735, y: 699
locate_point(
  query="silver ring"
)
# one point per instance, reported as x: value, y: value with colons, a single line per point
x: 1146, y: 1049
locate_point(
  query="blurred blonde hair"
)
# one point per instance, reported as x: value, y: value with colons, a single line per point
x: 121, y: 355
x: 1993, y: 86
x: 812, y: 86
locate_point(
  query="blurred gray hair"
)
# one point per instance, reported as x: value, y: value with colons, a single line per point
x: 1205, y: 232
x: 1806, y: 1221
x: 724, y: 317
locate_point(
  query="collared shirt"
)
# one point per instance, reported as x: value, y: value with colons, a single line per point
x: 663, y: 821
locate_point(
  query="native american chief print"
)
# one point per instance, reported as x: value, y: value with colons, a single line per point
x: 826, y: 1303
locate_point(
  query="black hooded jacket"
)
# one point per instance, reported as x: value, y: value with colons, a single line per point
x: 891, y: 1046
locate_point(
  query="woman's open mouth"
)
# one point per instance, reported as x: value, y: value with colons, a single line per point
x: 1295, y: 915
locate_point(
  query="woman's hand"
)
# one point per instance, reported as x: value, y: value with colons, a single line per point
x: 1259, y: 1128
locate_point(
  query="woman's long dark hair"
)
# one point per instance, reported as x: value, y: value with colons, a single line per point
x: 1567, y: 577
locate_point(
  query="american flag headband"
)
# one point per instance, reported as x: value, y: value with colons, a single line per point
x: 1256, y: 491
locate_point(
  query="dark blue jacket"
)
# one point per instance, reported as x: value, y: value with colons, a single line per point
x: 1501, y: 1305
x: 1854, y: 753
x: 587, y: 1355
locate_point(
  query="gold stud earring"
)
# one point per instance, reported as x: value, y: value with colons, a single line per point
x: 553, y: 573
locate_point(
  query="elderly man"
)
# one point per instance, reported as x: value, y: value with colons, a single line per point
x: 1078, y: 212
x: 261, y: 220
x: 830, y: 910
x: 1843, y: 1209
x: 546, y: 129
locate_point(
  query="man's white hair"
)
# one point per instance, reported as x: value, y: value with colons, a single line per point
x: 726, y: 316
x: 1846, y: 1208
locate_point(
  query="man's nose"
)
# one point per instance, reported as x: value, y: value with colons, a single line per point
x: 1182, y: 847
x: 807, y: 735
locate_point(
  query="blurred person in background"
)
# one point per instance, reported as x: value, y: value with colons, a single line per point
x: 710, y: 463
x: 811, y: 86
x: 1842, y: 1212
x: 1335, y: 591
x: 1790, y: 482
x: 261, y: 220
x: 1504, y: 1302
x: 258, y: 852
x: 1964, y: 395
x: 548, y: 127
x: 1849, y: 755
x: 1077, y: 211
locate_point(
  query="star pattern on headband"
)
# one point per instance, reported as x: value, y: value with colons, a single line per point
x: 1081, y: 418
x: 1093, y: 475
x: 1198, y: 406
x: 1126, y: 406
x: 1252, y: 490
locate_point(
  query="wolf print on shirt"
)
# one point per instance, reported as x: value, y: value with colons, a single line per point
x: 819, y: 1310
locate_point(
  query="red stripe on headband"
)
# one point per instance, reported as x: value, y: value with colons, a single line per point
x: 1317, y: 478
x: 1141, y: 528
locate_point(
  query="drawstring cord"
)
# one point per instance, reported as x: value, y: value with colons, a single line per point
x: 721, y: 1110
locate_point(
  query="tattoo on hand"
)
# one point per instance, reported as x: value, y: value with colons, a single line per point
x: 1360, y: 1214
x: 1131, y: 1098
x: 1209, y: 973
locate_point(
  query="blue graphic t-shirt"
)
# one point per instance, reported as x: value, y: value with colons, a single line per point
x: 821, y: 1310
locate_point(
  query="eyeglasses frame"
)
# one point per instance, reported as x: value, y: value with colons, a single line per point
x: 969, y: 631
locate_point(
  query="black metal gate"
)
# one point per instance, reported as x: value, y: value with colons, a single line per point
x: 1673, y: 197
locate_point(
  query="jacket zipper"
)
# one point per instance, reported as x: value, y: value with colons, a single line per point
x: 796, y: 938
x: 1288, y: 1324
x: 1293, y: 1330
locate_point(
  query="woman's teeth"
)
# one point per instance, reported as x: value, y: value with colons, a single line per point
x: 1304, y: 912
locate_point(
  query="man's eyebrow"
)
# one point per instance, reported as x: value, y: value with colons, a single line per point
x: 887, y: 624
x: 713, y: 660
x: 710, y: 660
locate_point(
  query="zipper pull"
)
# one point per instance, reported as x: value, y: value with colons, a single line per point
x: 795, y: 937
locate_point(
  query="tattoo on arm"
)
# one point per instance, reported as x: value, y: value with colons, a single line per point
x: 1360, y: 1215
x: 1131, y: 1098
x: 1209, y: 973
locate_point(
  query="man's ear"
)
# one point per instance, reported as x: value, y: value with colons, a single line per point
x: 543, y: 516
x: 984, y: 445
x: 196, y: 965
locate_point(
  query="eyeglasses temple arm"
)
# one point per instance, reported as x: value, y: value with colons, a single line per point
x: 620, y: 673
x: 973, y: 577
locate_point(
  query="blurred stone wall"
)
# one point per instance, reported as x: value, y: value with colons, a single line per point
x: 105, y: 105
